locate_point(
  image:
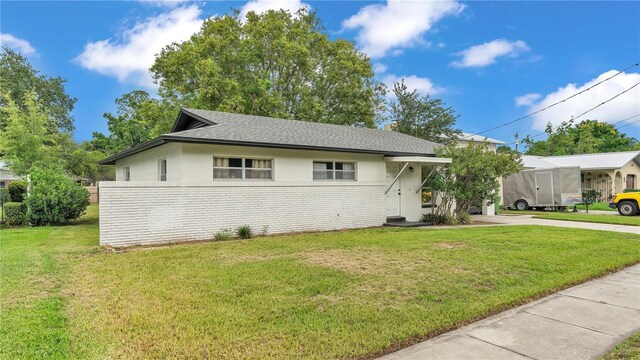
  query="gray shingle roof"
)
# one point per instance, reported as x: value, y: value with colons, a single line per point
x: 252, y: 129
x: 249, y: 130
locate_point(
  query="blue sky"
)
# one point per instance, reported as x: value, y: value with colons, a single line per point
x: 491, y: 61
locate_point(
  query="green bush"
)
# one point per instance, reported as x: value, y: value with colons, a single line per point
x: 244, y: 232
x: 463, y: 218
x: 222, y: 235
x: 4, y: 195
x: 440, y: 219
x: 17, y: 190
x: 54, y: 198
x: 15, y: 213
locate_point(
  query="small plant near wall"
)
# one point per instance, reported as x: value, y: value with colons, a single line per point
x: 244, y: 232
x: 222, y: 235
x: 439, y: 219
x: 265, y: 230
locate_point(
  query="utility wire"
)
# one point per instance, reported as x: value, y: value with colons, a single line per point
x: 623, y: 120
x: 631, y: 123
x: 559, y: 102
x: 588, y: 111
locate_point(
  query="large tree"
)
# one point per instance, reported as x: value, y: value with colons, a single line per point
x: 25, y: 142
x: 82, y: 160
x: 18, y: 80
x: 274, y: 64
x: 422, y: 116
x: 138, y: 118
x: 586, y: 137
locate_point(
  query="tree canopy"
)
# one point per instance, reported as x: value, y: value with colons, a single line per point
x: 586, y: 137
x: 422, y: 116
x: 24, y: 140
x: 19, y: 80
x: 138, y: 118
x: 472, y: 177
x: 274, y: 64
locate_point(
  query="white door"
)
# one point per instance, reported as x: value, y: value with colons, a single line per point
x: 544, y: 188
x: 393, y: 195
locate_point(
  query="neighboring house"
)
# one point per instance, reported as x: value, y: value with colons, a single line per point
x: 218, y: 170
x: 606, y: 173
x: 6, y: 176
x: 467, y: 138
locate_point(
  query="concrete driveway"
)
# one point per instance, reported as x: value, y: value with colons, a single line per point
x: 529, y: 220
x: 582, y: 322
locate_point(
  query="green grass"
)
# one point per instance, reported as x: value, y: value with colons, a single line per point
x: 600, y: 206
x: 626, y: 350
x: 346, y: 294
x: 582, y: 217
x: 593, y: 218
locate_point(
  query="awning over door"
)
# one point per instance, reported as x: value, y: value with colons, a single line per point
x: 418, y: 159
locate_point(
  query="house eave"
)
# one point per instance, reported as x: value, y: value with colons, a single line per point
x: 111, y: 160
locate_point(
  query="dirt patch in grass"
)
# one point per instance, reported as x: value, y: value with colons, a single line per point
x: 447, y: 245
x: 364, y: 262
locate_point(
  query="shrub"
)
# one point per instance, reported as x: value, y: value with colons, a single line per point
x: 222, y: 234
x: 17, y: 190
x: 15, y: 213
x: 4, y: 195
x: 439, y: 219
x: 463, y: 218
x: 244, y: 232
x: 54, y: 198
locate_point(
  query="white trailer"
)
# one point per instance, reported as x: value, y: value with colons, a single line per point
x: 541, y: 188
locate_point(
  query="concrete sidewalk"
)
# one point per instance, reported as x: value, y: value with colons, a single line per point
x: 582, y: 322
x: 529, y: 220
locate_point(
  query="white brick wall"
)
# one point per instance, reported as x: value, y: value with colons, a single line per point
x: 137, y: 213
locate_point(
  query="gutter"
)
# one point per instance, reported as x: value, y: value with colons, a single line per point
x: 164, y: 139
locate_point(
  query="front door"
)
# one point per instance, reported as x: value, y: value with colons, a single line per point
x: 544, y: 188
x: 393, y: 195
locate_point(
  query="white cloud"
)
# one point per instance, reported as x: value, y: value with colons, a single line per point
x: 20, y: 45
x: 261, y: 6
x: 379, y: 68
x: 398, y: 24
x: 621, y: 107
x: 487, y: 53
x: 129, y: 58
x: 527, y: 100
x: 423, y: 85
x: 163, y: 3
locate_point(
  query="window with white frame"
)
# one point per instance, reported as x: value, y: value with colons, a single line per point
x: 242, y: 168
x: 162, y: 169
x: 333, y: 170
x: 126, y: 171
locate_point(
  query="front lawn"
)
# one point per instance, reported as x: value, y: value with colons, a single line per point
x: 593, y: 218
x: 626, y: 350
x: 345, y: 294
x: 582, y: 217
x: 600, y: 206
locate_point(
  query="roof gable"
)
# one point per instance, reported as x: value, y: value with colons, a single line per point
x: 188, y: 121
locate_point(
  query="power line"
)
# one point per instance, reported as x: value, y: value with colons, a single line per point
x: 623, y: 120
x: 588, y: 111
x: 631, y: 123
x: 558, y: 102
